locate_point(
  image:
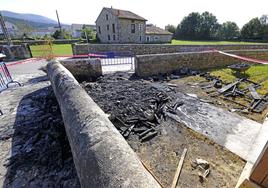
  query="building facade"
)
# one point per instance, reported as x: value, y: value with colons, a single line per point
x: 157, y: 35
x: 120, y: 26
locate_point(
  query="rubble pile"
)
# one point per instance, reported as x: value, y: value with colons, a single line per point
x: 41, y: 155
x: 133, y: 105
x: 242, y: 88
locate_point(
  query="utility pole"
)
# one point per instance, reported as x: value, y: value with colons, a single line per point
x: 58, y: 20
x: 5, y: 31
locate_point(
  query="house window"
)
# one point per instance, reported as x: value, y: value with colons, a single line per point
x: 109, y: 38
x: 99, y: 30
x: 113, y: 28
x: 140, y: 38
x: 140, y: 27
x: 108, y: 27
x: 132, y: 28
x: 106, y: 16
x: 148, y: 39
x: 114, y: 37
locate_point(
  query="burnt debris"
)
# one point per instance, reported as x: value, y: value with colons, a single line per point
x: 230, y: 91
x: 135, y: 107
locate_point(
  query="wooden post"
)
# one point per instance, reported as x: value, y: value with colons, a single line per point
x: 259, y: 174
x: 178, y: 171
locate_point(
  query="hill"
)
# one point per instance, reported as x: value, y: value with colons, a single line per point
x: 28, y: 17
x: 25, y: 25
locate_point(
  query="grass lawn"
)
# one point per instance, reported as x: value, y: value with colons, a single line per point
x: 256, y: 73
x: 189, y: 42
x: 57, y: 50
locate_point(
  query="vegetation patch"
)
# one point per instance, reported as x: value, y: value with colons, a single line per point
x: 57, y: 50
x: 256, y: 73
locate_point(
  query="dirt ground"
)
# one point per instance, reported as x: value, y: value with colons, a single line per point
x: 194, y: 84
x: 162, y: 154
x: 125, y: 97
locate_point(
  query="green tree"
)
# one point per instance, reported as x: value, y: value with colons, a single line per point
x: 228, y: 31
x: 61, y: 34
x: 189, y: 27
x: 209, y: 26
x: 88, y: 33
x: 264, y: 22
x: 171, y: 28
x: 197, y: 26
x: 253, y: 29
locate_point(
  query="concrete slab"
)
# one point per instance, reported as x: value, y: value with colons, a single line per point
x: 238, y: 134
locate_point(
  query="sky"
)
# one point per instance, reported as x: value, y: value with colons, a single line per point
x: 158, y: 12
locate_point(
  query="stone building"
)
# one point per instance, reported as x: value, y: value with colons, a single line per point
x: 157, y: 35
x: 120, y: 26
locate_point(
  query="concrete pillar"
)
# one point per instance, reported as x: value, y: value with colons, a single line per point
x: 101, y: 155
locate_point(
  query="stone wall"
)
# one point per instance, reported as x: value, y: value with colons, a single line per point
x: 14, y: 52
x: 101, y: 155
x: 153, y: 64
x: 40, y: 42
x: 156, y: 38
x: 83, y: 68
x: 141, y: 49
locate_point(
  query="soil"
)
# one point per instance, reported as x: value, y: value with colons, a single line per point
x: 123, y: 96
x: 194, y: 84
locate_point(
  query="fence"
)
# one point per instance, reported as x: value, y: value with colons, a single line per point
x: 5, y: 77
x: 115, y: 61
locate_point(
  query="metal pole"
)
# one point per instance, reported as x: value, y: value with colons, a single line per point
x: 58, y: 19
x: 5, y: 31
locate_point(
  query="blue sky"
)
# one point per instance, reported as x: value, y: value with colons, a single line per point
x: 159, y: 12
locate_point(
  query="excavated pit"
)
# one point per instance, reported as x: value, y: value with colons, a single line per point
x: 137, y: 105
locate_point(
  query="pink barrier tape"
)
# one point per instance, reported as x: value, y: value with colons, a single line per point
x: 245, y: 58
x: 24, y: 61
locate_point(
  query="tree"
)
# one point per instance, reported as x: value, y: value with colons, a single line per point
x: 253, y: 29
x: 189, y: 26
x: 88, y: 33
x: 264, y: 19
x: 264, y: 22
x: 209, y: 26
x: 61, y: 34
x: 228, y: 31
x: 171, y: 28
x: 198, y: 26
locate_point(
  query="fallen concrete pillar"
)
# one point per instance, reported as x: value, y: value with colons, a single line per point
x: 101, y: 155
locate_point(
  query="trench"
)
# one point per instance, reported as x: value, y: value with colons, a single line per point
x: 128, y: 100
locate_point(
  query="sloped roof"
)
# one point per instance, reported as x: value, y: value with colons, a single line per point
x: 125, y: 14
x: 151, y: 29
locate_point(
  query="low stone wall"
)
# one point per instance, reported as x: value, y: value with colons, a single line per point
x: 83, y: 68
x: 101, y: 155
x: 153, y: 64
x: 14, y: 52
x: 140, y: 49
x: 40, y: 42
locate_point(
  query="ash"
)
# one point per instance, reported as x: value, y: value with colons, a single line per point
x: 135, y: 107
x: 41, y: 155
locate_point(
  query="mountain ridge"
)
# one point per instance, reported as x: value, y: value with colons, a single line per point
x: 28, y: 17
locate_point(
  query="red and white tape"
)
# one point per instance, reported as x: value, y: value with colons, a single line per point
x: 249, y: 59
